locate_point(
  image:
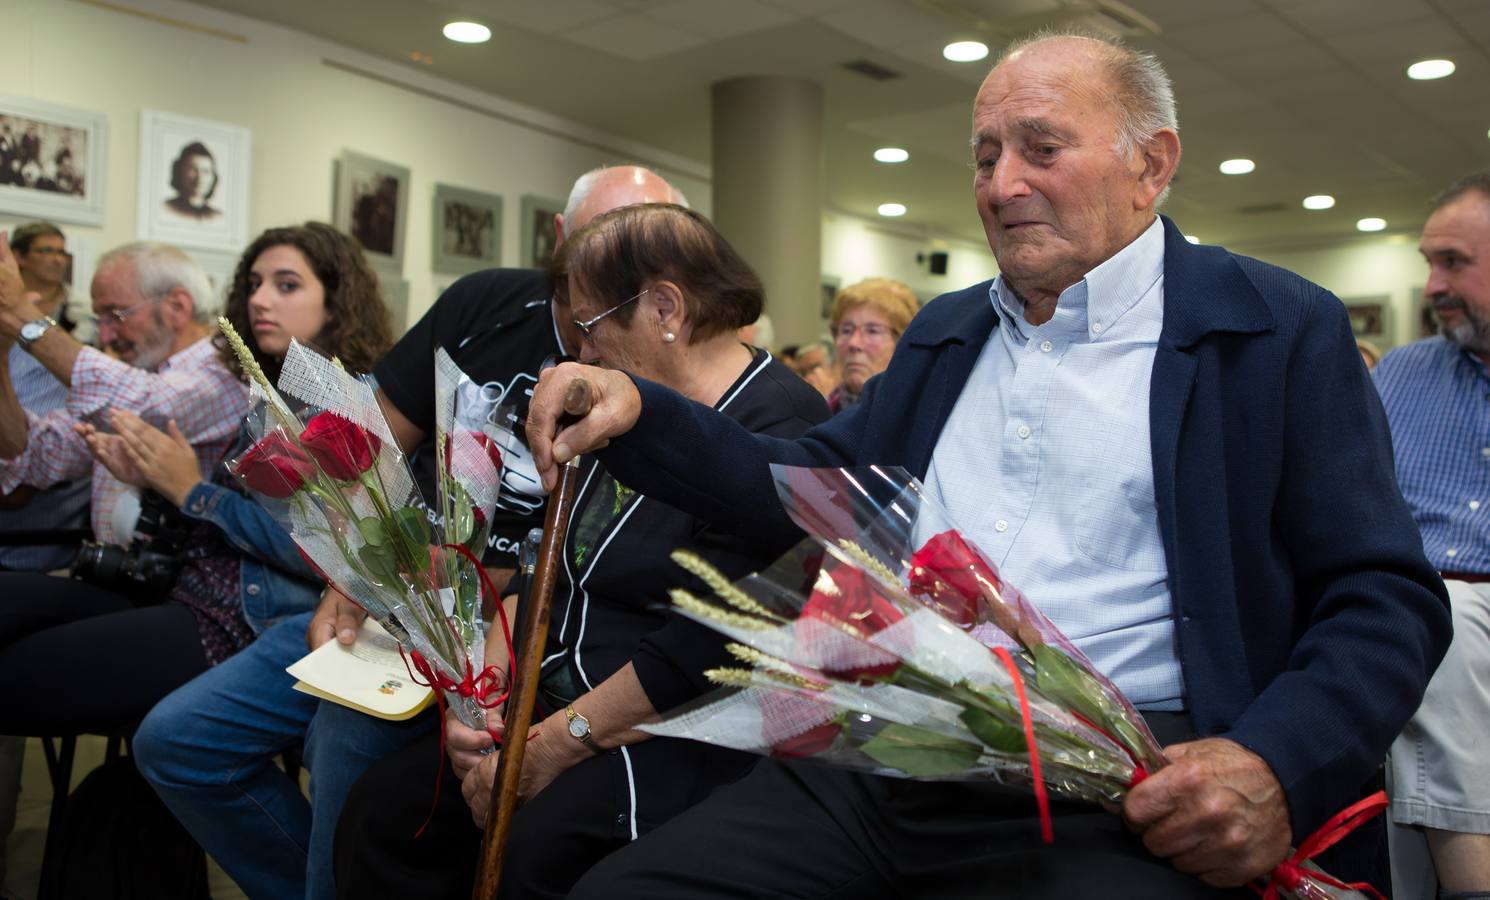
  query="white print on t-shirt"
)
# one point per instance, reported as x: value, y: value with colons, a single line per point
x: 521, y: 490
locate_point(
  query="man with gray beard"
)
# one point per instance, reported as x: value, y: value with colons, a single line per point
x: 1437, y: 398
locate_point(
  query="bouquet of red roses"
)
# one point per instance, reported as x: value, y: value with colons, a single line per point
x: 887, y: 642
x: 330, y: 472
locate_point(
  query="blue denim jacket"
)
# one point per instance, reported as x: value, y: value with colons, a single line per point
x: 275, y: 582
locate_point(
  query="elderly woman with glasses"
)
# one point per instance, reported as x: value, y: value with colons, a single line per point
x: 654, y: 291
x: 868, y: 318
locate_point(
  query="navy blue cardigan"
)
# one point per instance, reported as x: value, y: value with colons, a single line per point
x: 1307, y: 619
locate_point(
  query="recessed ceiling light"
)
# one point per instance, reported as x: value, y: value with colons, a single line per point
x: 467, y: 32
x: 1192, y: 238
x: 1237, y: 166
x: 892, y: 209
x: 1318, y: 201
x: 1429, y: 69
x: 891, y: 155
x: 965, y: 51
x: 1370, y: 224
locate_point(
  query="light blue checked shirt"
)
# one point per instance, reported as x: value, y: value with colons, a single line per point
x: 1045, y: 461
x: 1437, y: 398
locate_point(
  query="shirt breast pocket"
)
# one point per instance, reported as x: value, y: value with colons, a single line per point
x: 1117, y: 520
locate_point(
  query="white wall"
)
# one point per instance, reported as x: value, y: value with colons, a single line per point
x: 303, y: 114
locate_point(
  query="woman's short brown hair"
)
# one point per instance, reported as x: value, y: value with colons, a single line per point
x: 616, y: 253
x: 357, y: 330
x: 890, y: 298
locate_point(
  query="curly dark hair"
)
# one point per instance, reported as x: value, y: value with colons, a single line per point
x: 357, y: 330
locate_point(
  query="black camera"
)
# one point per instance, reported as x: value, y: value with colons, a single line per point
x: 146, y: 570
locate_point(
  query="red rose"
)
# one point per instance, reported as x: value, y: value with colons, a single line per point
x: 853, y: 602
x: 952, y: 574
x: 493, y: 452
x: 343, y: 448
x: 275, y: 467
x: 809, y: 743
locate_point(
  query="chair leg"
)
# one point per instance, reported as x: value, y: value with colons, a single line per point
x: 59, y: 768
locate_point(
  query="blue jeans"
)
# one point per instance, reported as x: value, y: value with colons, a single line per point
x: 208, y: 749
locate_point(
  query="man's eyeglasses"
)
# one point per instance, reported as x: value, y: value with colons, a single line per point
x: 47, y: 251
x: 871, y: 332
x: 116, y: 317
x: 585, y: 328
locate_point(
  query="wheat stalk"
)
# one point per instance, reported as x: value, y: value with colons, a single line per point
x: 868, y: 561
x: 720, y: 585
x: 704, y: 610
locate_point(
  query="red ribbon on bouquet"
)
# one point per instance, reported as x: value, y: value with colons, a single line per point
x: 1042, y: 799
x: 474, y: 686
x: 1291, y: 872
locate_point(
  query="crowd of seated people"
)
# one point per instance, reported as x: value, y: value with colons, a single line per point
x: 1143, y: 429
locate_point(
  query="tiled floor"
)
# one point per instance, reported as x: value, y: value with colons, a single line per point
x: 25, y: 846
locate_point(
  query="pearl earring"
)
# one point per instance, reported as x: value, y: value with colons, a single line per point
x: 669, y: 337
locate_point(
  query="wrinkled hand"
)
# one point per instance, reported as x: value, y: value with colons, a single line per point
x: 467, y: 747
x: 165, y: 460
x: 109, y: 450
x: 615, y: 406
x: 544, y: 759
x: 1216, y: 812
x: 336, y: 616
x: 12, y: 287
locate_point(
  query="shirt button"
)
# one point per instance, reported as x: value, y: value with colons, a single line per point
x: 253, y: 590
x: 1024, y: 431
x: 1485, y: 451
x: 1474, y: 504
x: 1096, y: 328
x: 1451, y: 552
x: 1046, y: 346
x: 621, y: 819
x: 1001, y: 526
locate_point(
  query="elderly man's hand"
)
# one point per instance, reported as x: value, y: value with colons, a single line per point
x: 12, y: 287
x: 337, y: 616
x: 1217, y: 812
x: 614, y: 408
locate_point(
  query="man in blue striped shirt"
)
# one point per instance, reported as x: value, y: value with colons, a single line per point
x: 1437, y: 398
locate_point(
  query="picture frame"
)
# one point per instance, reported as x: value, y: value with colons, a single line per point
x: 1368, y: 315
x: 52, y: 161
x: 467, y: 230
x: 396, y: 298
x: 829, y: 286
x: 194, y: 181
x: 371, y: 203
x: 539, y: 239
x: 1427, y: 320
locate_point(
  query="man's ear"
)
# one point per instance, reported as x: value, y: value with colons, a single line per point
x: 1160, y: 157
x: 177, y: 307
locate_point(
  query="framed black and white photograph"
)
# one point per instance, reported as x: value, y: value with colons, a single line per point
x: 828, y: 288
x: 467, y: 230
x: 52, y: 161
x: 539, y: 236
x: 1368, y: 315
x: 194, y: 181
x: 371, y: 203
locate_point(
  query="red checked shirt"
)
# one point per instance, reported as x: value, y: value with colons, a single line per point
x: 192, y: 387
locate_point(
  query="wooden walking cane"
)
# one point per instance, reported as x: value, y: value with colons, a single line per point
x: 529, y: 654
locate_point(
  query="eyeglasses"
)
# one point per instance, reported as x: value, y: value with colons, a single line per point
x: 871, y: 332
x: 47, y: 251
x: 585, y: 328
x: 116, y: 317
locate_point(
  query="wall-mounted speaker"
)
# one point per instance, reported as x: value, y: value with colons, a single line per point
x: 939, y: 263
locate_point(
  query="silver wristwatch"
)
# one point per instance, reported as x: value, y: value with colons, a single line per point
x: 32, y: 331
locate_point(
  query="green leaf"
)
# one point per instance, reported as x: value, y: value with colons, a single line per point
x: 379, y: 563
x: 459, y: 523
x: 1058, y: 677
x: 993, y: 731
x: 372, y: 531
x: 413, y: 529
x: 919, y: 752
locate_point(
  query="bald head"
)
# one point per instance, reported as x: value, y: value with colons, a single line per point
x: 602, y: 190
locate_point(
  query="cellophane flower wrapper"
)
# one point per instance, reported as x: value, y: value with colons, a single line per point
x: 876, y: 645
x: 473, y: 431
x: 326, y: 466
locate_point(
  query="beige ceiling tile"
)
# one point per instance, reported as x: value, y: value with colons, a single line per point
x: 539, y: 16
x: 633, y: 37
x: 1474, y: 23
x: 1234, y: 35
x: 889, y: 23
x: 1176, y: 13
x: 809, y: 8
x: 1327, y: 17
x: 1398, y: 44
x: 718, y: 19
x: 1299, y: 60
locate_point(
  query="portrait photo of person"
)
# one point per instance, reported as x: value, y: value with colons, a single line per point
x: 371, y: 204
x: 194, y: 182
x: 194, y: 178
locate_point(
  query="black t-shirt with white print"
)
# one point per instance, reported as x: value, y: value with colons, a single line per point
x: 498, y: 327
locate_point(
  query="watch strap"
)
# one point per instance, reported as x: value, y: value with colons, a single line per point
x: 583, y: 737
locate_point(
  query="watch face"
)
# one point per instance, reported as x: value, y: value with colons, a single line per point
x: 579, y: 727
x: 33, y: 330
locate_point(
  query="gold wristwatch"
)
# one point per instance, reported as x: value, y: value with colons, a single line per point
x: 579, y: 729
